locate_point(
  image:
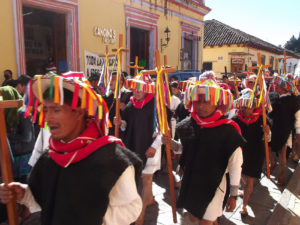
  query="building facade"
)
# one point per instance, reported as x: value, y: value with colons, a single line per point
x: 64, y: 32
x: 227, y: 48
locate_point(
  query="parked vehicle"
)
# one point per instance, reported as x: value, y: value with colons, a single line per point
x: 184, y: 75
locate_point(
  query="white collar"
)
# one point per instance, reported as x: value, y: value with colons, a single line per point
x: 286, y: 94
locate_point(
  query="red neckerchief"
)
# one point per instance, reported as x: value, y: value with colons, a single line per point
x: 66, y: 153
x: 140, y: 104
x: 249, y: 119
x: 214, y: 120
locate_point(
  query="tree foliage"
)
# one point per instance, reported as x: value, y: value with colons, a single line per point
x: 293, y: 44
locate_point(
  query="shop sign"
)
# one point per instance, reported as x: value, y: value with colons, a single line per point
x: 237, y: 61
x: 94, y: 63
x: 108, y: 35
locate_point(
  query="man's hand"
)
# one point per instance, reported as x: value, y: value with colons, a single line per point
x: 7, y: 192
x: 231, y: 204
x: 122, y: 105
x: 166, y: 140
x: 266, y: 129
x: 117, y: 121
x: 150, y: 152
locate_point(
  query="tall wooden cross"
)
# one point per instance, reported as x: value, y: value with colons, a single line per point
x: 260, y: 67
x: 160, y: 92
x: 6, y: 168
x: 136, y: 66
x: 284, y: 61
x: 121, y: 50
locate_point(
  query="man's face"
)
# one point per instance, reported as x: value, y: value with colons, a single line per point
x: 7, y: 76
x: 139, y: 95
x: 248, y: 111
x: 204, y: 108
x: 280, y: 89
x: 113, y: 82
x: 63, y: 122
x: 175, y: 91
x: 250, y: 84
x: 226, y: 80
x: 21, y: 88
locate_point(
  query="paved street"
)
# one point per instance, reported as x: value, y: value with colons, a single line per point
x: 261, y: 204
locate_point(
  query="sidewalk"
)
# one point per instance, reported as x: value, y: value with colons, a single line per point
x: 262, y: 203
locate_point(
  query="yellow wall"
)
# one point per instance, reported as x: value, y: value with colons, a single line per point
x: 7, y: 44
x: 110, y: 14
x: 211, y: 54
x: 105, y: 14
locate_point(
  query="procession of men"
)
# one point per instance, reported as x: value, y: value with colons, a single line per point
x: 72, y: 172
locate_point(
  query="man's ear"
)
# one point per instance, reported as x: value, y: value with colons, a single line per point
x: 80, y: 112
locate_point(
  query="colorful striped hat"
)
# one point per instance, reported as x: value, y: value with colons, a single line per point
x: 72, y: 81
x: 285, y: 82
x: 184, y: 84
x: 141, y: 83
x: 213, y: 93
x: 244, y: 100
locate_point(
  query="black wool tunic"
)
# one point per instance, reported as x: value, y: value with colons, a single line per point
x: 79, y: 194
x: 138, y: 136
x: 254, y: 150
x: 206, y: 152
x: 283, y: 117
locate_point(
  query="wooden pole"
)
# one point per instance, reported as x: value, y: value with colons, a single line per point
x: 6, y: 168
x: 168, y: 150
x: 118, y: 99
x: 265, y: 124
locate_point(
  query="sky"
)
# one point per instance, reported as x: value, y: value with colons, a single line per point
x: 274, y: 21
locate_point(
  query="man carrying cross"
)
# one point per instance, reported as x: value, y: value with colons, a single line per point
x: 86, y: 177
x: 211, y: 148
x: 285, y: 116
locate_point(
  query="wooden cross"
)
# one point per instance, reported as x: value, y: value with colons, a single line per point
x: 259, y: 65
x: 106, y: 55
x: 164, y: 118
x: 284, y: 60
x: 122, y: 50
x: 136, y: 67
x: 6, y: 168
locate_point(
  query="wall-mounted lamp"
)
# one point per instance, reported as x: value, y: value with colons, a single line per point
x: 167, y: 39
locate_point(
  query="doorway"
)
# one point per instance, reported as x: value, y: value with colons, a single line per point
x: 139, y: 46
x: 188, y: 54
x: 45, y: 41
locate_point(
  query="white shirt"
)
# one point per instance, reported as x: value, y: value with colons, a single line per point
x: 124, y: 207
x: 41, y: 146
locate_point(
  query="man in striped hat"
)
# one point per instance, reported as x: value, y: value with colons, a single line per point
x: 249, y: 119
x: 211, y: 148
x: 285, y: 116
x: 86, y: 177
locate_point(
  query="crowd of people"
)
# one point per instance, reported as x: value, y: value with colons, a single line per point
x: 70, y: 169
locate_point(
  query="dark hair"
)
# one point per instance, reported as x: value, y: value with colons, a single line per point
x: 174, y: 77
x: 174, y: 84
x: 8, y: 71
x: 225, y: 76
x: 23, y: 79
x: 114, y: 73
x: 68, y: 96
